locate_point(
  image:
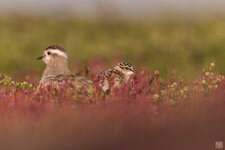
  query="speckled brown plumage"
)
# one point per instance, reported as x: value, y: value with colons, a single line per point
x: 121, y: 72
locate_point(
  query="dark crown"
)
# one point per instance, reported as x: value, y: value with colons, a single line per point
x: 56, y: 47
x: 126, y: 66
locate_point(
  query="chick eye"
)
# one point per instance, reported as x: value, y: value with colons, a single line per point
x: 49, y: 53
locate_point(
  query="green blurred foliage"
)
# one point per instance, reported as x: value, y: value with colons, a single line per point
x: 184, y: 44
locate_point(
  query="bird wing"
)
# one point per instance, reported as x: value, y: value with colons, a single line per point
x: 78, y: 82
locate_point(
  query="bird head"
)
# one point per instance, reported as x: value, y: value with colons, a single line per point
x: 126, y: 68
x: 54, y: 54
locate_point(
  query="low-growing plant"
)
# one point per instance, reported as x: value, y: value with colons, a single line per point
x: 139, y: 114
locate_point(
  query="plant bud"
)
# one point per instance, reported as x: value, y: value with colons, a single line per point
x: 155, y: 97
x: 156, y: 73
x: 212, y: 64
x: 207, y: 74
x: 203, y: 82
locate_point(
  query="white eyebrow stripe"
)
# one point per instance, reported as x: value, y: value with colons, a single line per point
x: 58, y: 52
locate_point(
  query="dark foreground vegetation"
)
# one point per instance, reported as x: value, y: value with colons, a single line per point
x: 146, y: 113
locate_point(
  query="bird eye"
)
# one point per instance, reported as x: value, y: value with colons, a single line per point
x: 49, y: 53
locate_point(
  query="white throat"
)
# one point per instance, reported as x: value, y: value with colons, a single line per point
x: 130, y: 73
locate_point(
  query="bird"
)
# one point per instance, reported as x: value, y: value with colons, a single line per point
x: 57, y: 70
x: 121, y: 72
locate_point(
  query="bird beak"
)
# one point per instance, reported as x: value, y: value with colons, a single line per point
x: 39, y: 58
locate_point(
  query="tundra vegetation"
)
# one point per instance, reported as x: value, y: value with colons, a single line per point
x: 175, y: 101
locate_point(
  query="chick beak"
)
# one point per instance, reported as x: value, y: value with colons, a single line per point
x: 39, y: 58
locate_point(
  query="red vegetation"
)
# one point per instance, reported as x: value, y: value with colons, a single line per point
x: 145, y: 113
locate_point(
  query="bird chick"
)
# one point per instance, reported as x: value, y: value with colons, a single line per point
x: 120, y: 72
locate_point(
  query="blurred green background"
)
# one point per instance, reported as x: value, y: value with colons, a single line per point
x: 186, y: 44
